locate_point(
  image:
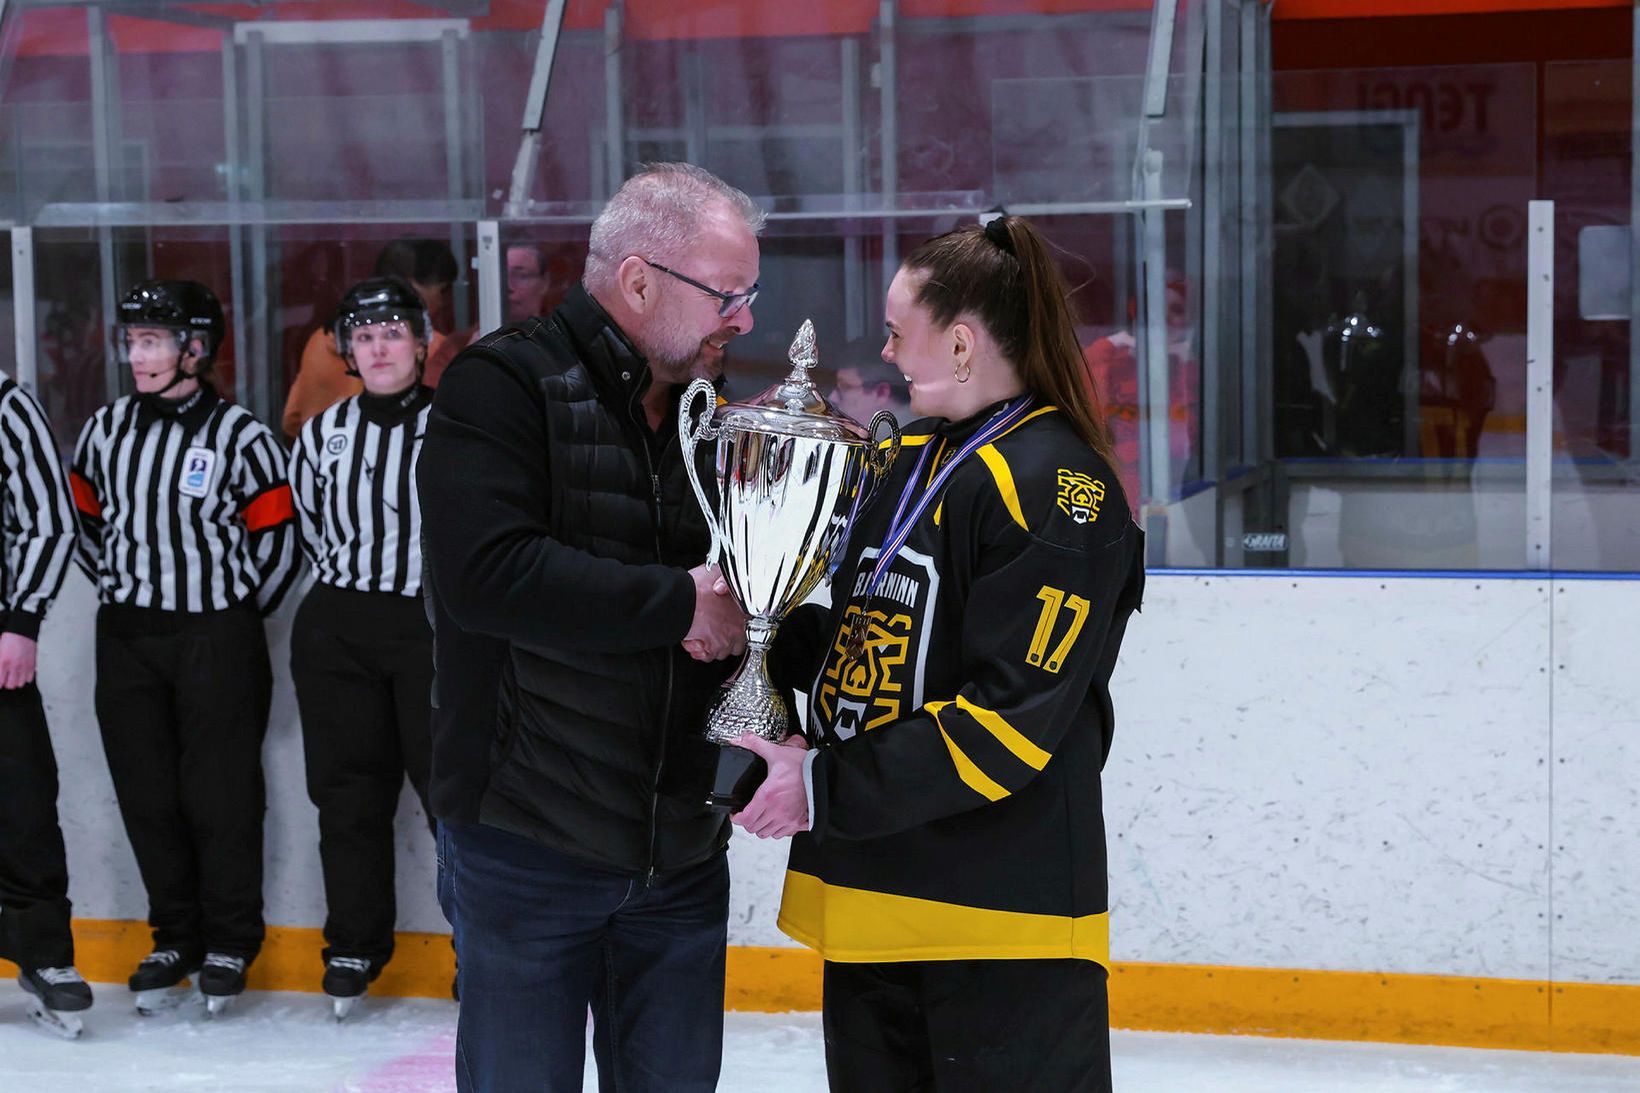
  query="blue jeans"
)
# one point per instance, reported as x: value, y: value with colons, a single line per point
x: 541, y: 937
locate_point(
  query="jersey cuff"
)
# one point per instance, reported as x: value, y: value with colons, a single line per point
x: 25, y: 624
x: 808, y: 784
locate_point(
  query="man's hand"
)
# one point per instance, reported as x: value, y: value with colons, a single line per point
x: 780, y: 807
x: 719, y: 629
x: 17, y: 656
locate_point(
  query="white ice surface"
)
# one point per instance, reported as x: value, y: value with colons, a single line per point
x: 282, y: 1043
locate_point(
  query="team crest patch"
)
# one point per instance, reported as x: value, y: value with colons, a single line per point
x: 1080, y: 496
x: 198, y: 468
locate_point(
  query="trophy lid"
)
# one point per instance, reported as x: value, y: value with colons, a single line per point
x: 794, y: 406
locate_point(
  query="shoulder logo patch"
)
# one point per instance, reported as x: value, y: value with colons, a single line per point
x: 1080, y: 496
x: 336, y: 444
x: 197, y: 467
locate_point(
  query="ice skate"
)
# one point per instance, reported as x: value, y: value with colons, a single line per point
x: 56, y: 997
x: 221, y: 980
x: 158, y: 981
x: 346, y: 979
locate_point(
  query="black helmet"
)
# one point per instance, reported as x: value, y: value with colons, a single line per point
x: 380, y: 300
x: 187, y: 307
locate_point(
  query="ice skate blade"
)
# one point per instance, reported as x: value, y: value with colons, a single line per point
x: 151, y: 1003
x: 68, y: 1026
x: 216, y: 1003
x: 341, y: 1007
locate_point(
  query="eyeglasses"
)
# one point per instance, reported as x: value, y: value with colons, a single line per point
x: 730, y: 304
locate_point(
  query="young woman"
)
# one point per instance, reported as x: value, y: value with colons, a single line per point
x: 185, y: 529
x: 361, y: 649
x: 323, y: 377
x: 952, y: 869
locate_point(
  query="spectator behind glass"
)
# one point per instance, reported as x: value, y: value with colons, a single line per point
x: 866, y: 384
x: 1113, y: 371
x: 526, y: 281
x: 322, y: 379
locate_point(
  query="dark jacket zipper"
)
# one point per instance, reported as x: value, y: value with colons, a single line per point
x: 666, y: 708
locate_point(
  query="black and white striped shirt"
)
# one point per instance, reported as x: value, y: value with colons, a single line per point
x: 36, y: 515
x: 353, y: 475
x: 183, y: 508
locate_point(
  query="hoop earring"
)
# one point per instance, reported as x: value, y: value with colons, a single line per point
x: 963, y: 371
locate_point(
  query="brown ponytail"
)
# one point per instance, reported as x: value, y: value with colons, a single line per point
x: 1003, y: 276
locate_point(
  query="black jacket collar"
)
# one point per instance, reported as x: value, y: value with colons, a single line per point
x: 614, y: 362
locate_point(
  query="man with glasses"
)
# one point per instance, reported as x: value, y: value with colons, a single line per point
x: 563, y: 557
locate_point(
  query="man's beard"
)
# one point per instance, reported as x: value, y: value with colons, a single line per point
x: 674, y: 357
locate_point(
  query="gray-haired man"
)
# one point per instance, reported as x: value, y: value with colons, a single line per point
x: 563, y: 556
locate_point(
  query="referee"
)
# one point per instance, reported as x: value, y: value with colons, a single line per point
x: 36, y: 543
x: 361, y: 649
x: 186, y: 529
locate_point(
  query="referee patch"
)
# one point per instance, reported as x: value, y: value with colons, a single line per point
x: 198, y: 468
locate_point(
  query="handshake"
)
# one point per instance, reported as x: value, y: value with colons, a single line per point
x: 719, y: 626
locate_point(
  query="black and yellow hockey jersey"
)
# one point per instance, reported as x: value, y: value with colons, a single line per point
x: 956, y: 796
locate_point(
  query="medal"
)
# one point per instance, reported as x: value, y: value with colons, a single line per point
x: 906, y: 514
x: 856, y: 644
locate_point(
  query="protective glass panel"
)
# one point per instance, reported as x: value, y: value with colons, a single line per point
x: 1595, y: 515
x: 924, y: 104
x: 275, y: 150
x: 1398, y: 202
x: 197, y: 105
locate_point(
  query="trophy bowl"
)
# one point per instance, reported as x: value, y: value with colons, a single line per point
x: 792, y: 474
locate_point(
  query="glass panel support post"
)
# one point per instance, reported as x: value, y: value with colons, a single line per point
x: 253, y: 308
x: 614, y: 119
x: 104, y: 88
x: 1164, y: 17
x: 1155, y: 471
x: 1540, y: 398
x: 450, y: 84
x: 889, y: 133
x: 233, y: 185
x: 535, y: 108
x: 854, y: 273
x: 26, y: 367
x: 489, y: 262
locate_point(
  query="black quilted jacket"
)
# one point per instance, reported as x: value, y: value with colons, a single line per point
x: 557, y: 531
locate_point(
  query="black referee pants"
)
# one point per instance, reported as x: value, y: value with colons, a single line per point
x: 33, y: 872
x: 362, y: 663
x: 967, y: 1026
x: 182, y: 701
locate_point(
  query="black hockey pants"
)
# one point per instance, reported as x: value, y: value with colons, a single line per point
x: 33, y: 872
x: 182, y: 701
x: 967, y: 1026
x: 362, y: 663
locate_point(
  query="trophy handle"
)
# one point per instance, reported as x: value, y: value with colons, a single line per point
x: 879, y: 458
x: 692, y: 430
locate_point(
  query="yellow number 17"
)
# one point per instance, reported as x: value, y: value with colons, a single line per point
x: 1053, y: 600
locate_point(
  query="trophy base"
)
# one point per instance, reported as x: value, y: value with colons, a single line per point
x: 739, y: 772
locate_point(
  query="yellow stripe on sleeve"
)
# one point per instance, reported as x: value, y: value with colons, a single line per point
x: 1005, y: 482
x: 1011, y: 738
x: 972, y: 777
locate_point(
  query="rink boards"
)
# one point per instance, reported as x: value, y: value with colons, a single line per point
x: 1394, y: 808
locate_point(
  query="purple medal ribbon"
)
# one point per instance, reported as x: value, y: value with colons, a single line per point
x: 899, y: 528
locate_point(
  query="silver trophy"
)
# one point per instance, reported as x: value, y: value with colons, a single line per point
x: 792, y: 473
